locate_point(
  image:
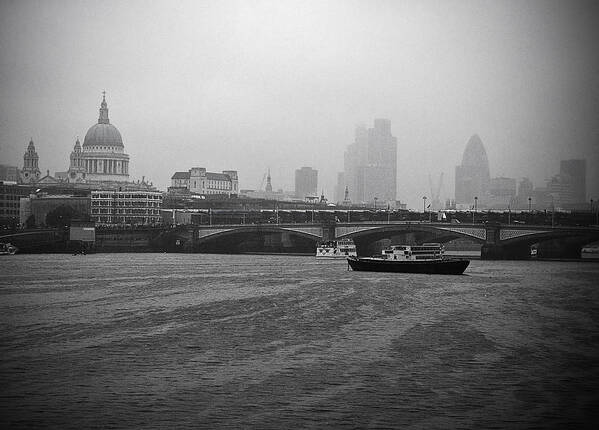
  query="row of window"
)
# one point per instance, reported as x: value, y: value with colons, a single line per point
x: 126, y: 211
x: 9, y: 212
x: 213, y: 192
x: 103, y: 148
x: 11, y: 197
x: 125, y: 203
x: 220, y: 185
x: 127, y: 196
x: 126, y: 220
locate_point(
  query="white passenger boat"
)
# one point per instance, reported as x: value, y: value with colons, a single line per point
x: 425, y: 258
x: 341, y: 248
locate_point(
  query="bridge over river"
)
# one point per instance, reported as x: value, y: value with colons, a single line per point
x: 498, y: 241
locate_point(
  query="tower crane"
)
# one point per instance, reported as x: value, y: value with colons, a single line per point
x: 262, y: 183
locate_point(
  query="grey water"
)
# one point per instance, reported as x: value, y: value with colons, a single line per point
x: 245, y: 341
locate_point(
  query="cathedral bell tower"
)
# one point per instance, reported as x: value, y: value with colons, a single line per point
x: 30, y: 172
x: 76, y: 171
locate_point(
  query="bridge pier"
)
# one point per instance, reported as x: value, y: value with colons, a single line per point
x: 328, y: 231
x: 559, y: 248
x: 493, y: 249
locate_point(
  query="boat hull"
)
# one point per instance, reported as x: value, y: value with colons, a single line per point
x: 449, y: 266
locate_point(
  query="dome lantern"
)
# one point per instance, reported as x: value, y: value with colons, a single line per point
x: 103, y: 134
x: 103, y: 118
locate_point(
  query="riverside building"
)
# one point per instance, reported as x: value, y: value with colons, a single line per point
x: 126, y: 208
x: 10, y: 196
x: 198, y: 181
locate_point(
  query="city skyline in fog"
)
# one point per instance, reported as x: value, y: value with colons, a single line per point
x: 248, y: 86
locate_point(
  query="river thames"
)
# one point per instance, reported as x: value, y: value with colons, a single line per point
x: 275, y: 342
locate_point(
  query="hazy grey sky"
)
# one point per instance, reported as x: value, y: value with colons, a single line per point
x: 249, y: 85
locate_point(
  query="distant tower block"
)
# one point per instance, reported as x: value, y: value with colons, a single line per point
x: 370, y: 164
x: 472, y: 177
x: 306, y: 182
x: 268, y: 183
x: 435, y: 192
x: 575, y: 170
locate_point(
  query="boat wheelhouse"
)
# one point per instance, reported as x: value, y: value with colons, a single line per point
x: 426, y: 251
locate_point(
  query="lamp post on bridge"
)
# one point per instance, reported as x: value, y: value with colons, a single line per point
x: 424, y: 206
x: 474, y: 211
x: 552, y: 211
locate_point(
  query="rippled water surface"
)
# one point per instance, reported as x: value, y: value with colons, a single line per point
x: 216, y: 341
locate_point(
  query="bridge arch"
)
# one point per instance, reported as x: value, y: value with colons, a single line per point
x: 477, y: 234
x: 258, y: 238
x: 552, y: 243
x: 583, y: 237
x: 37, y: 240
x: 365, y: 236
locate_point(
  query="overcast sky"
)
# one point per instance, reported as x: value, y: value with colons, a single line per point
x: 248, y: 85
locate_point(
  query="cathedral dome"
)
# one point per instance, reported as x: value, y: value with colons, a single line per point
x: 103, y: 134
